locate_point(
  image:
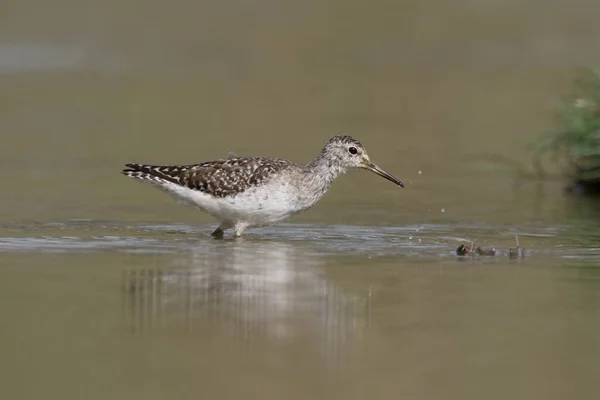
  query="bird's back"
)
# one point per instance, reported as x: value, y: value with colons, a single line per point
x: 220, y: 178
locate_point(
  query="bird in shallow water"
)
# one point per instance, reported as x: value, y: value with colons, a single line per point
x: 244, y: 192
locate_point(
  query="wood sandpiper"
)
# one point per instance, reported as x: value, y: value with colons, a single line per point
x: 244, y: 192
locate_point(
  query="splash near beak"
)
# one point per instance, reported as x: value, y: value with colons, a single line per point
x: 374, y: 168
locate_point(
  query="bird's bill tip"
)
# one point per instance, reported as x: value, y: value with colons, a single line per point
x: 376, y: 169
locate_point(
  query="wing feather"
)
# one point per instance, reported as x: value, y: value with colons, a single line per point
x: 220, y: 178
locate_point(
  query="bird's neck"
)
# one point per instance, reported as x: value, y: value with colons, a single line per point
x: 319, y: 175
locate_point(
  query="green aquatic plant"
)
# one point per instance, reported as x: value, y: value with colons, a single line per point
x: 576, y: 142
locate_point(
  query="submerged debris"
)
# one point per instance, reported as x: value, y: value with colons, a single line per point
x: 471, y: 250
x: 485, y: 252
x: 463, y: 250
x: 516, y: 252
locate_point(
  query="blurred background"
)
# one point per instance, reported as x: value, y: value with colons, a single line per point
x: 427, y: 85
x: 110, y: 289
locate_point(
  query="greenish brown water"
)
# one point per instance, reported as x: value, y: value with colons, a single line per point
x: 111, y: 290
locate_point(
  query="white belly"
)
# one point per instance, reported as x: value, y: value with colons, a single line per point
x: 260, y: 206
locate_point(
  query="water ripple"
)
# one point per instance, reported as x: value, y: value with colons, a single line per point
x: 413, y: 240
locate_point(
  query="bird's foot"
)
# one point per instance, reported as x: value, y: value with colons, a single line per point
x: 238, y: 229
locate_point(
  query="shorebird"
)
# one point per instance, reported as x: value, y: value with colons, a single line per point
x: 244, y: 192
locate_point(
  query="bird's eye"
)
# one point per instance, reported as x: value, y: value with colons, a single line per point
x: 352, y: 150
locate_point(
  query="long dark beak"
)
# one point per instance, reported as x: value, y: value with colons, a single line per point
x: 372, y: 167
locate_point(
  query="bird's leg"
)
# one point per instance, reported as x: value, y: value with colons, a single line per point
x: 218, y: 233
x: 239, y: 228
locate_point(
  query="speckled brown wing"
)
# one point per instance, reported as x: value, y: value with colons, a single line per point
x: 219, y: 178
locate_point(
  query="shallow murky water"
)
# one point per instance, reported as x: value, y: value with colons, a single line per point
x: 296, y: 310
x: 110, y: 290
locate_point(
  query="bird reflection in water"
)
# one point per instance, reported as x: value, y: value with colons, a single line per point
x: 265, y: 291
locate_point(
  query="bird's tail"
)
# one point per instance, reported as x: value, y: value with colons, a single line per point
x: 152, y: 173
